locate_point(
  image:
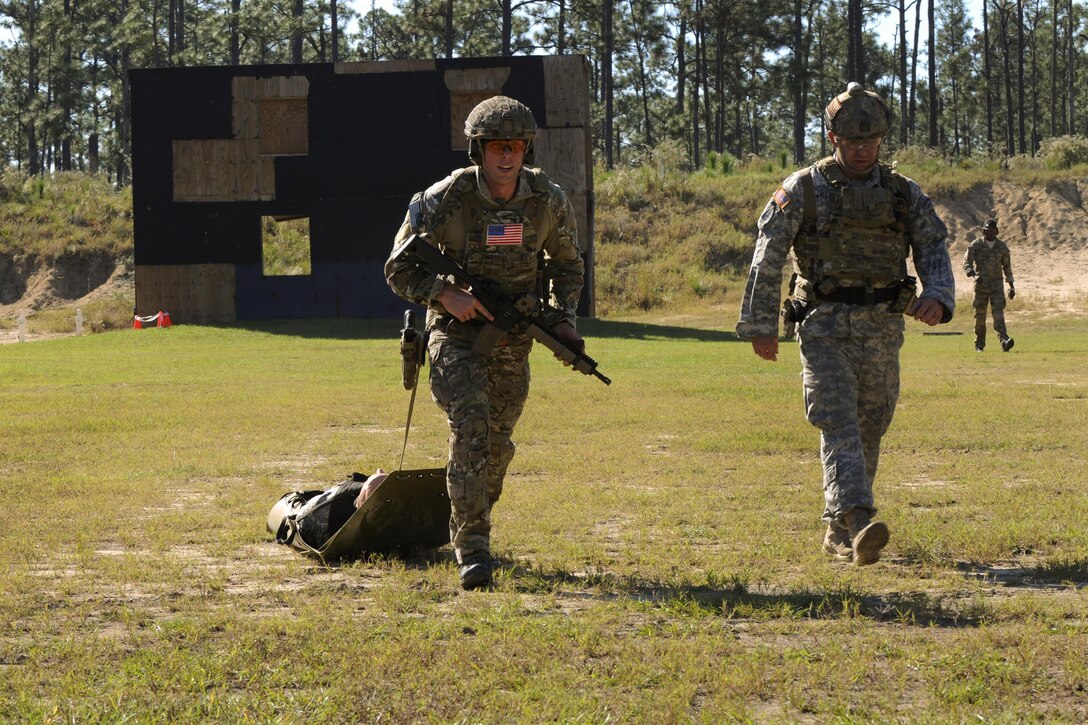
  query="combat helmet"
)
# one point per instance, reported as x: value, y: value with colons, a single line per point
x: 499, y: 117
x: 991, y: 223
x: 858, y: 114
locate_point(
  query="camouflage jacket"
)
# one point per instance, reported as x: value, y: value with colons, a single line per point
x: 528, y: 243
x: 988, y: 263
x: 779, y: 225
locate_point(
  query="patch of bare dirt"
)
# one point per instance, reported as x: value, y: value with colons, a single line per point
x: 1046, y: 229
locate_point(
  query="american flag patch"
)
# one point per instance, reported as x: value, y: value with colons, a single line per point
x: 503, y: 234
x: 782, y: 199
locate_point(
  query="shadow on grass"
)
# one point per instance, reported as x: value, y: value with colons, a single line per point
x: 737, y: 599
x: 621, y: 330
x: 732, y: 599
x: 1059, y: 574
x: 387, y: 329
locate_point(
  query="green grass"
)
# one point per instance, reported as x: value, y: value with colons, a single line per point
x: 660, y: 536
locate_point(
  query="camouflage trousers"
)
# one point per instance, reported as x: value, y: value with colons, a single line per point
x: 483, y: 397
x: 851, y: 386
x: 995, y: 299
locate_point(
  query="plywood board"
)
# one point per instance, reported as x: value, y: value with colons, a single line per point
x: 195, y: 293
x: 468, y: 88
x: 561, y: 153
x: 566, y: 94
x: 384, y: 66
x: 221, y: 170
x: 244, y: 111
x: 284, y: 126
x: 282, y: 87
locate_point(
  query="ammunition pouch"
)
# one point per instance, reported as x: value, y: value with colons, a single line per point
x: 907, y: 293
x: 793, y: 311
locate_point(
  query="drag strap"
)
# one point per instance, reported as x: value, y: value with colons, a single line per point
x: 408, y: 424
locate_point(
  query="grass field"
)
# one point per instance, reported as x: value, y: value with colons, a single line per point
x: 660, y: 537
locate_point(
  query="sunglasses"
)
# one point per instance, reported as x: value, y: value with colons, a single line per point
x: 870, y: 144
x: 502, y: 145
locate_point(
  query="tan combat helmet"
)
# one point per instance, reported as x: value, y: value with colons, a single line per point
x: 499, y: 117
x: 857, y: 114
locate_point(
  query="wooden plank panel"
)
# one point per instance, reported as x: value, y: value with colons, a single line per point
x: 266, y: 178
x: 213, y: 292
x: 244, y: 107
x: 283, y: 87
x: 579, y: 200
x: 203, y: 170
x: 284, y: 126
x: 566, y: 83
x: 468, y: 88
x: 561, y: 153
x: 191, y: 293
x: 384, y: 66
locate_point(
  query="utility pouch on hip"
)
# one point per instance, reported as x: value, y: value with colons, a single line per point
x: 793, y: 311
x: 907, y: 294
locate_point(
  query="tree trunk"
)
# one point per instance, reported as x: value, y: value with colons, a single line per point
x: 334, y: 32
x: 235, y: 42
x: 903, y: 72
x: 934, y: 138
x: 695, y: 156
x: 606, y: 79
x: 855, y: 45
x: 987, y: 79
x: 681, y: 63
x: 1054, y: 71
x: 797, y: 84
x: 643, y: 82
x: 1071, y: 73
x: 561, y: 28
x: 1010, y: 119
x: 508, y: 25
x: 1020, y: 74
x: 296, y: 33
x: 914, y: 67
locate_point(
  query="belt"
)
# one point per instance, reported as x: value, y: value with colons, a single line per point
x: 859, y: 295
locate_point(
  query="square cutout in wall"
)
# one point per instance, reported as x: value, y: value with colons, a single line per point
x: 285, y: 246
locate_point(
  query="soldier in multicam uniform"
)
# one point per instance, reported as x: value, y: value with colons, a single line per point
x: 986, y: 260
x: 851, y: 222
x: 507, y: 224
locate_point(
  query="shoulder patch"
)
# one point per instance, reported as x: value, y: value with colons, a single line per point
x: 782, y: 199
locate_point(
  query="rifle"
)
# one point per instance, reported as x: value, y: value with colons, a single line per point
x: 509, y: 314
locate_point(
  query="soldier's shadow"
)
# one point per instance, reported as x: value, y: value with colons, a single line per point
x: 736, y: 599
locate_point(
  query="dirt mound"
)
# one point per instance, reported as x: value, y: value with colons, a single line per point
x: 1046, y: 228
x: 28, y: 283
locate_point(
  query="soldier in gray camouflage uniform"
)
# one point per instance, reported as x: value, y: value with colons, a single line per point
x: 507, y: 224
x: 986, y: 260
x: 851, y: 223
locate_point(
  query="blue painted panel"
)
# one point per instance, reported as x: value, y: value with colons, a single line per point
x: 344, y: 289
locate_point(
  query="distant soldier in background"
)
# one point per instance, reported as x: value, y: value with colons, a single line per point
x: 986, y: 260
x: 510, y: 226
x: 850, y: 222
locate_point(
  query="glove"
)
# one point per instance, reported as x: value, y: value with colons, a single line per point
x: 1012, y: 293
x: 970, y: 273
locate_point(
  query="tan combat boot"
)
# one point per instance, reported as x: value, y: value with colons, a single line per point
x: 837, y: 543
x: 867, y: 538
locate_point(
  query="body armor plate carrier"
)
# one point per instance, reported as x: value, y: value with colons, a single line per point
x: 866, y: 241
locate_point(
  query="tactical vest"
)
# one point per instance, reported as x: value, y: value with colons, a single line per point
x: 867, y: 237
x: 515, y: 268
